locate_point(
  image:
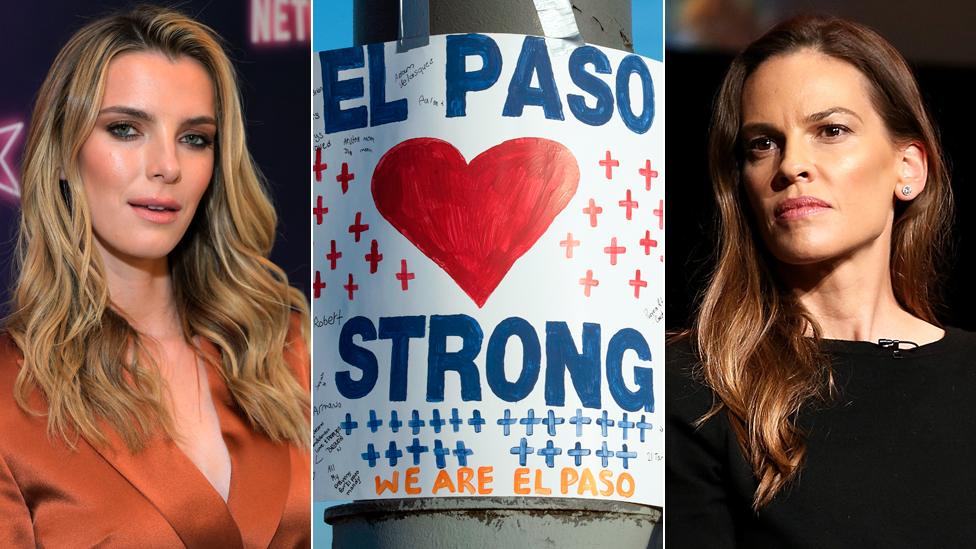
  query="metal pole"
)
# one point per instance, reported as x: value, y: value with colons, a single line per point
x: 494, y: 521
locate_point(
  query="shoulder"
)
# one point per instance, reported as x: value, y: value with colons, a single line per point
x: 10, y: 361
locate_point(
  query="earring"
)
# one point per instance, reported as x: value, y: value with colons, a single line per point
x: 906, y: 190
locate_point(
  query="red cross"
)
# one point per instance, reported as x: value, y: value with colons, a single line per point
x: 345, y: 177
x: 569, y: 243
x: 403, y: 276
x: 630, y: 204
x: 648, y: 243
x: 637, y: 283
x: 319, y: 166
x: 319, y: 210
x: 659, y: 212
x: 358, y: 228
x: 373, y: 257
x: 648, y: 173
x: 350, y: 287
x: 610, y: 164
x: 333, y: 256
x: 592, y: 211
x: 614, y: 250
x: 319, y: 285
x: 588, y: 282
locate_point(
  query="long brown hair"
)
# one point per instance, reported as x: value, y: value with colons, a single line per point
x: 750, y: 331
x: 76, y: 346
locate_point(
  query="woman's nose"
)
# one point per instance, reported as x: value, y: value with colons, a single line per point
x: 796, y: 164
x: 164, y: 162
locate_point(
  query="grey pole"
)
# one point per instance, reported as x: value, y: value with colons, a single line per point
x: 507, y: 522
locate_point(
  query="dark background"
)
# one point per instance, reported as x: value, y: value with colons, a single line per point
x: 694, y: 72
x: 274, y: 76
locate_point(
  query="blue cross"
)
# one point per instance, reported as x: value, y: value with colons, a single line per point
x: 349, y: 424
x: 462, y: 453
x: 522, y: 450
x: 371, y: 455
x: 643, y: 426
x: 436, y: 422
x: 579, y: 420
x: 415, y: 422
x: 604, y: 454
x: 550, y: 452
x: 578, y: 452
x: 507, y: 422
x: 395, y: 422
x: 551, y: 421
x: 416, y: 449
x: 373, y: 422
x: 529, y: 421
x: 393, y: 454
x: 455, y: 421
x: 476, y: 421
x: 603, y: 422
x: 439, y: 452
x: 624, y: 424
x: 625, y: 455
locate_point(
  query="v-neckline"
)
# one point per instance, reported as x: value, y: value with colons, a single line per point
x: 168, y: 478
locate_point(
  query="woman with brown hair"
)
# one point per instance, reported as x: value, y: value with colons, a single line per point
x: 818, y: 401
x: 154, y: 367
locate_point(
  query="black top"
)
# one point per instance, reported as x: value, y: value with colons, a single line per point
x: 891, y: 462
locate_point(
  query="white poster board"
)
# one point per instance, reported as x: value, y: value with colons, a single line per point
x: 489, y: 271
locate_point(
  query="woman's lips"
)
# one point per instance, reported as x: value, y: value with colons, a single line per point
x: 796, y: 208
x: 155, y: 210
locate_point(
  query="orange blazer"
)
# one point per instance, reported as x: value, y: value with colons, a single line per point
x: 53, y: 496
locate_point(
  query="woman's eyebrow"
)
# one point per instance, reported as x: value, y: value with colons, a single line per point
x: 145, y: 116
x: 818, y: 116
x: 129, y: 111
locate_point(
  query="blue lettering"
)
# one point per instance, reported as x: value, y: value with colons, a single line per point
x: 584, y: 368
x: 495, y: 359
x: 534, y: 59
x: 603, y: 111
x: 630, y: 339
x: 462, y: 361
x: 335, y: 91
x: 381, y: 112
x: 357, y: 356
x: 400, y: 329
x: 630, y: 65
x: 459, y: 81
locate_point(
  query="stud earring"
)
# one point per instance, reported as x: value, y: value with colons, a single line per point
x: 906, y: 190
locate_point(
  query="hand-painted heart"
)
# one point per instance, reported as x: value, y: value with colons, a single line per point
x: 474, y: 220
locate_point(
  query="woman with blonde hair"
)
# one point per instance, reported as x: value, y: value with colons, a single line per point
x: 818, y: 401
x: 155, y: 360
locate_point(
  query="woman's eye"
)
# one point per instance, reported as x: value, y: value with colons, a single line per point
x: 123, y: 130
x: 834, y: 130
x: 761, y: 144
x: 197, y: 140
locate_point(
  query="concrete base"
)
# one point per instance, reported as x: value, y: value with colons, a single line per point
x: 488, y: 522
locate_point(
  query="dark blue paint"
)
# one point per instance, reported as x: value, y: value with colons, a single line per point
x: 440, y: 361
x: 357, y: 356
x: 632, y: 401
x: 633, y: 64
x: 600, y: 90
x: 334, y: 91
x: 533, y: 59
x: 495, y: 359
x: 400, y: 329
x: 584, y: 368
x: 381, y: 112
x: 458, y: 81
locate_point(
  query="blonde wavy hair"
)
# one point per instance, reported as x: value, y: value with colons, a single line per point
x: 78, y: 349
x: 751, y: 332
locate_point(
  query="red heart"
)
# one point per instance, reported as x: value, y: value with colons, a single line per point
x: 474, y: 220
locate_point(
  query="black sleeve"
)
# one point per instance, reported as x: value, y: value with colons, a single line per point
x: 698, y: 501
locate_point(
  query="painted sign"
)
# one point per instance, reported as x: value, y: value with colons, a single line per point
x: 489, y: 269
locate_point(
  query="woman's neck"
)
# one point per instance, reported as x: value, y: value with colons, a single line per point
x: 852, y: 299
x: 142, y: 290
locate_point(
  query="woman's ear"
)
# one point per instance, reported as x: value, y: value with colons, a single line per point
x: 913, y: 171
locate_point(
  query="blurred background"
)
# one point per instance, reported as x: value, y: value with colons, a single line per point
x: 702, y: 37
